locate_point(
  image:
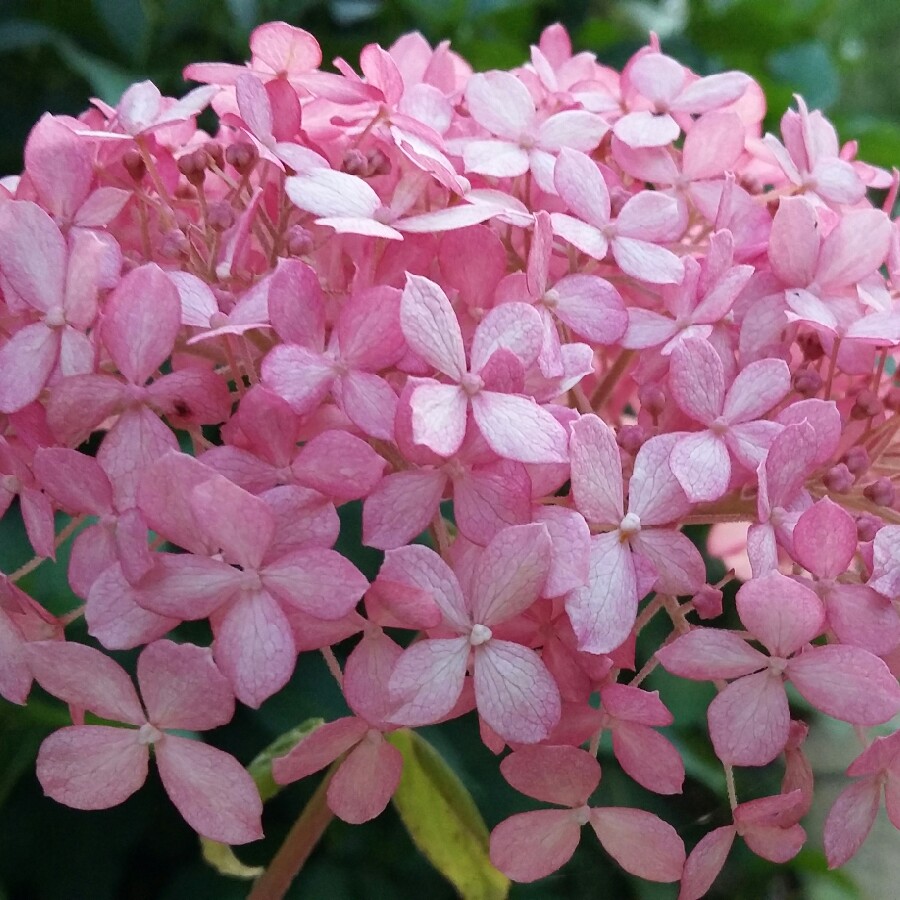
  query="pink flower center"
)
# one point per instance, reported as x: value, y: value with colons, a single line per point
x: 629, y: 526
x: 471, y: 383
x: 55, y: 317
x: 551, y: 298
x: 384, y: 215
x: 720, y: 426
x: 480, y: 634
x: 148, y: 734
x: 777, y: 665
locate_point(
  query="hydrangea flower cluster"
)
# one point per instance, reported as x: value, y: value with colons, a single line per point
x: 581, y: 309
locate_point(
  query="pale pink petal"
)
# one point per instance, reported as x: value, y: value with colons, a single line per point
x: 499, y: 102
x: 325, y: 192
x: 430, y: 326
x: 780, y: 612
x: 697, y: 380
x: 596, y: 471
x: 359, y: 225
x: 254, y: 648
x: 141, y: 319
x: 648, y: 758
x: 850, y: 820
x: 401, y: 507
x: 300, y: 376
x: 428, y: 680
x: 837, y: 181
x: 364, y: 784
x: 647, y: 262
x: 712, y: 92
x: 794, y: 241
x: 499, y: 159
x: 640, y: 842
x: 84, y: 677
x: 756, y: 389
x: 584, y: 237
x: 705, y: 862
x: 581, y: 186
x: 571, y: 549
x: 182, y: 688
x: 591, y: 307
x: 296, y: 322
x: 369, y: 402
x: 702, y: 466
x: 824, y: 539
x: 515, y: 327
x: 862, y: 617
x: 284, y: 48
x: 514, y: 692
x: 510, y: 573
x: 577, y: 129
x: 789, y: 461
x: 318, y: 749
x: 320, y: 582
x: 848, y: 683
x: 92, y: 766
x: 603, y: 612
x: 439, y: 417
x: 517, y: 428
x: 654, y: 494
x: 32, y: 254
x: 710, y: 653
x: 234, y: 520
x: 855, y: 248
x: 646, y: 129
x: 367, y: 675
x: 26, y: 362
x: 564, y: 775
x: 749, y: 720
x: 211, y: 789
x: 679, y: 563
x: 713, y: 145
x: 529, y: 846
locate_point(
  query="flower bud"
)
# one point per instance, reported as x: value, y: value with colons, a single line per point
x: 892, y: 399
x: 242, y: 156
x: 807, y: 382
x: 857, y: 460
x: 220, y: 215
x: 708, y: 602
x: 134, y: 164
x: 880, y: 492
x: 867, y: 405
x: 174, y: 245
x: 299, y: 241
x: 867, y: 526
x: 193, y: 166
x: 838, y: 479
x: 652, y: 399
x: 630, y: 438
x: 214, y: 151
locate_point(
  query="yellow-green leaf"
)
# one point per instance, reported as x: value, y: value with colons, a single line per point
x: 443, y: 820
x: 261, y: 767
x: 221, y: 857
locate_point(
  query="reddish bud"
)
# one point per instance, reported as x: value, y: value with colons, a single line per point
x: 214, y: 151
x: 174, y: 245
x: 220, y: 215
x: 134, y: 164
x: 242, y: 156
x: 867, y: 405
x: 867, y: 526
x: 857, y: 460
x: 652, y: 399
x: 807, y: 382
x: 838, y: 479
x: 630, y: 438
x: 299, y: 241
x: 892, y: 399
x: 708, y: 602
x: 880, y: 492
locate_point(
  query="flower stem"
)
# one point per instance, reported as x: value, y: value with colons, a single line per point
x: 301, y: 840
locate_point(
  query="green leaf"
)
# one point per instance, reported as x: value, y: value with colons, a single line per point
x: 244, y: 12
x: 261, y: 767
x: 221, y: 857
x: 443, y: 821
x: 108, y: 81
x: 126, y: 23
x: 808, y: 69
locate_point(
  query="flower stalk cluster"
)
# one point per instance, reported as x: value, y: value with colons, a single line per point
x: 586, y: 307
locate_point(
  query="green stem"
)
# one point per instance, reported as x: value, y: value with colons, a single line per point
x: 301, y: 840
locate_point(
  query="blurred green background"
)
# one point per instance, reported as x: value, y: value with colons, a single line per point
x: 842, y: 55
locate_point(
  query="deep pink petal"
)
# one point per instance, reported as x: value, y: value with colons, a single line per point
x: 254, y: 648
x: 679, y: 563
x: 364, y: 784
x: 701, y: 463
x: 640, y: 842
x: 401, y: 507
x: 824, y: 539
x: 705, y: 862
x: 32, y: 254
x: 211, y: 789
x: 710, y: 653
x: 850, y: 820
x: 648, y: 758
x: 514, y: 692
x: 92, y: 766
x: 529, y: 846
x: 563, y: 775
x: 182, y: 688
x: 780, y: 612
x: 369, y: 402
x: 85, y: 678
x: 318, y: 749
x: 749, y: 720
x: 488, y: 498
x: 848, y: 683
x: 756, y: 389
x: 298, y: 375
x: 26, y: 362
x: 697, y: 379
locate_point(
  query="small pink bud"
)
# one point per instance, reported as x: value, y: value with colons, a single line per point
x: 242, y: 156
x: 867, y: 526
x: 838, y: 479
x: 299, y: 241
x: 220, y: 215
x: 807, y: 382
x: 630, y: 438
x: 652, y: 399
x: 867, y: 405
x: 708, y: 602
x: 892, y: 399
x: 214, y: 151
x: 174, y: 245
x: 880, y: 492
x: 857, y: 460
